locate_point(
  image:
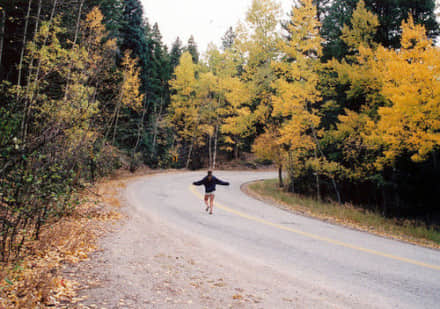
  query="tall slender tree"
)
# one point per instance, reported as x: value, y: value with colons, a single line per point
x: 175, y: 53
x: 257, y: 41
x: 228, y: 39
x: 192, y: 49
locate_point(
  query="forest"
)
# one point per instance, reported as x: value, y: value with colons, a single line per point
x: 342, y: 96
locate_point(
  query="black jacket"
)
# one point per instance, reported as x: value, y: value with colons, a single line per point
x: 210, y: 185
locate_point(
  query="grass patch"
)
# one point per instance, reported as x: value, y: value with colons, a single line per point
x: 348, y: 215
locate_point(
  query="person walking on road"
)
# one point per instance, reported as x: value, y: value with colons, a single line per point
x: 210, y: 181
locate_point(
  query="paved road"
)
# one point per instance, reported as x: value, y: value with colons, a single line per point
x: 381, y: 272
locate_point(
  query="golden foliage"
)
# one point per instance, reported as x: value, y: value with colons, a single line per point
x: 363, y: 29
x: 411, y: 83
x: 296, y: 87
x: 130, y: 89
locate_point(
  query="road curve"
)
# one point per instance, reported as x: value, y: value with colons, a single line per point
x: 380, y: 272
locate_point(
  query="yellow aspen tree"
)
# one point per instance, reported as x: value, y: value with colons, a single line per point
x: 296, y: 87
x: 184, y: 110
x: 206, y: 94
x: 355, y: 126
x: 257, y: 41
x: 363, y: 28
x: 52, y: 59
x: 354, y: 71
x: 354, y: 137
x: 129, y: 95
x: 230, y: 95
x: 267, y: 147
x: 88, y: 60
x: 410, y: 123
x: 239, y: 118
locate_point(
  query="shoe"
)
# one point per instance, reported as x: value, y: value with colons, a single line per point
x: 210, y: 212
x: 206, y: 208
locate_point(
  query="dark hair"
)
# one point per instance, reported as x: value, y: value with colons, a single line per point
x: 209, y: 173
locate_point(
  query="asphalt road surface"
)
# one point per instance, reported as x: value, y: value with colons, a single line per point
x: 361, y: 267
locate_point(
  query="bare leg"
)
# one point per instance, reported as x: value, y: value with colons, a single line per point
x: 206, y: 202
x: 211, y: 200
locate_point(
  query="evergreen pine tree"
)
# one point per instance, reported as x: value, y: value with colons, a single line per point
x: 132, y: 36
x: 390, y: 14
x: 228, y: 39
x: 175, y: 53
x: 158, y: 93
x: 192, y: 49
x: 112, y: 11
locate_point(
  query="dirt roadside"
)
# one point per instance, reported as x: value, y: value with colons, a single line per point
x: 144, y: 263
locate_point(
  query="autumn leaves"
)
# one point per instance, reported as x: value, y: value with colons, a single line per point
x: 272, y: 87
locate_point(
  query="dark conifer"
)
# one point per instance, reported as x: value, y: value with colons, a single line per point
x: 175, y: 53
x: 391, y: 13
x: 192, y: 49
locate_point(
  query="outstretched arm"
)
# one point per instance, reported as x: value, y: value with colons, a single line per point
x: 220, y: 182
x: 199, y: 183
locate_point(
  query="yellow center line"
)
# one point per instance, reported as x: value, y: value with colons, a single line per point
x: 313, y: 236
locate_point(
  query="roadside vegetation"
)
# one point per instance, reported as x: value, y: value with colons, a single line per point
x: 37, y: 279
x: 414, y: 231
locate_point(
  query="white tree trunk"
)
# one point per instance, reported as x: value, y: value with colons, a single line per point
x: 23, y: 47
x: 116, y: 126
x: 34, y: 95
x: 215, y: 147
x: 188, y: 160
x: 210, y: 151
x: 31, y: 64
x: 66, y: 91
x: 335, y: 187
x: 139, y: 132
x: 318, y: 190
x: 156, y: 126
x: 2, y: 34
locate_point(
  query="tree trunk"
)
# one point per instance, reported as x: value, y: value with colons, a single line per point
x: 138, y: 138
x: 32, y: 96
x: 280, y: 176
x: 318, y: 189
x: 335, y: 187
x: 291, y: 174
x: 395, y: 190
x: 108, y: 127
x: 385, y: 204
x: 116, y: 126
x: 210, y: 151
x: 236, y: 151
x: 156, y: 127
x: 52, y: 15
x: 31, y: 64
x: 215, y: 147
x: 2, y: 36
x: 188, y: 160
x: 118, y: 108
x: 338, y: 194
x: 66, y: 91
x: 78, y: 20
x: 23, y: 47
x: 155, y: 132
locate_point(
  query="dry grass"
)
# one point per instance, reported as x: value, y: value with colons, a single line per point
x: 35, y: 281
x: 348, y: 215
